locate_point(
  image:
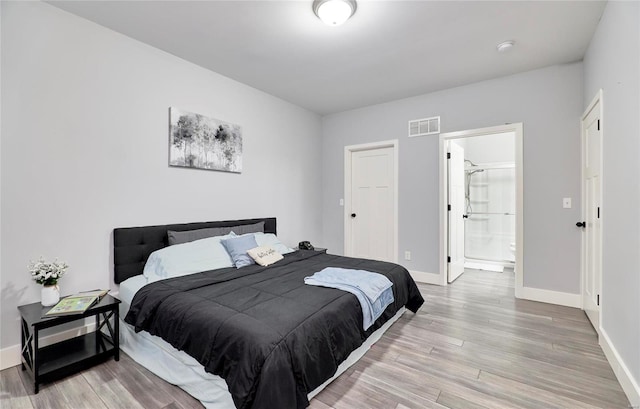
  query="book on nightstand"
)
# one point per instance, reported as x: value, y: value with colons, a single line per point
x: 76, y: 304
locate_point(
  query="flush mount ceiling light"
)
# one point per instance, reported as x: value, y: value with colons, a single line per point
x: 505, y: 46
x: 334, y: 12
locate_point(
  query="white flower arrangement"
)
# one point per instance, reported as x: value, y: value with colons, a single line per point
x: 47, y: 273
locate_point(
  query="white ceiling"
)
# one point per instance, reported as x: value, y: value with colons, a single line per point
x: 387, y: 50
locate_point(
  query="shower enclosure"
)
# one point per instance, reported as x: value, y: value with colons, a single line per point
x: 490, y: 202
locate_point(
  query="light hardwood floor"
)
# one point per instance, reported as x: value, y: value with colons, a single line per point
x: 472, y: 345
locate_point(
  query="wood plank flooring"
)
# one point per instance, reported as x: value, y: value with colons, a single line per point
x: 472, y: 345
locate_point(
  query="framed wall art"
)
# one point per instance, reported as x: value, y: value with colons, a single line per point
x: 200, y: 142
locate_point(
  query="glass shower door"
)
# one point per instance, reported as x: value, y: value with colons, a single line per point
x: 490, y: 210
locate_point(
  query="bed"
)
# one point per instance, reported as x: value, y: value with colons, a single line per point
x: 255, y: 337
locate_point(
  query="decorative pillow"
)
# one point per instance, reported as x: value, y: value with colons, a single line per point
x: 248, y: 228
x: 179, y: 237
x: 265, y: 255
x: 187, y: 258
x: 237, y: 248
x: 270, y: 239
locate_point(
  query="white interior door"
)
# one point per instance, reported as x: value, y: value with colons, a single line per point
x: 591, y: 185
x: 456, y: 211
x: 372, y: 211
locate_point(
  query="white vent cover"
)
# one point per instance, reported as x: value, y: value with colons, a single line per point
x: 425, y: 126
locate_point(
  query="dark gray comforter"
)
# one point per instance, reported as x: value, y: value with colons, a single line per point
x: 270, y: 336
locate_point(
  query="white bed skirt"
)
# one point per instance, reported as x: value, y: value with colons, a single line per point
x: 178, y: 368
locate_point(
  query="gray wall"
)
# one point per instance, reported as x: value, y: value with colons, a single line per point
x: 612, y: 63
x: 84, y: 150
x: 549, y: 103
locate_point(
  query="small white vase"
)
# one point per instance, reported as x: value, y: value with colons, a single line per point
x: 50, y: 295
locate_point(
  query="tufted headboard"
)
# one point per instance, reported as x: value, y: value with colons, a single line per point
x: 133, y: 245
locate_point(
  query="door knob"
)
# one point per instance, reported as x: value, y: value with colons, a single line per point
x: 353, y: 215
x: 581, y: 224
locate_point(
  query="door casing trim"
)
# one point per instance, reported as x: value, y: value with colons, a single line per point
x: 516, y: 128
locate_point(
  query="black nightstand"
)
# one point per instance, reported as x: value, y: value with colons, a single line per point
x: 66, y: 357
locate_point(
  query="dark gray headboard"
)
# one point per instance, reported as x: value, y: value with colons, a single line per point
x: 133, y: 245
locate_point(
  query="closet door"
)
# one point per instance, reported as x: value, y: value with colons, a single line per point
x: 371, y: 216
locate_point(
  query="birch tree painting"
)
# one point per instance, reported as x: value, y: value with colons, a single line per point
x: 196, y: 141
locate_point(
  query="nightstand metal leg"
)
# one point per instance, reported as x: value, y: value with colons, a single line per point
x: 36, y: 363
x: 98, y: 333
x: 23, y: 338
x: 116, y: 337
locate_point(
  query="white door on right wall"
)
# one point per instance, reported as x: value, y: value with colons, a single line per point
x: 591, y: 185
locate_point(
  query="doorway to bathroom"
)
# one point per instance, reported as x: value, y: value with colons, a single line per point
x: 481, y: 191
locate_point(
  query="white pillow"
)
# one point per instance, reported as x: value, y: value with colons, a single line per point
x: 264, y: 255
x: 270, y: 239
x: 187, y: 258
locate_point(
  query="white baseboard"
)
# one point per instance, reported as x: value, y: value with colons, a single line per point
x: 10, y: 356
x: 427, y: 278
x: 551, y: 297
x: 628, y: 383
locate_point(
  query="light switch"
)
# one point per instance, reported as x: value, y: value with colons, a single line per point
x: 341, y: 202
x: 566, y: 203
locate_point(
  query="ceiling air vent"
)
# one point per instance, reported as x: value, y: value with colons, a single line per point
x: 425, y: 126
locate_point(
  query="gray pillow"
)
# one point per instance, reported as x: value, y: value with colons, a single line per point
x: 179, y: 237
x: 248, y: 228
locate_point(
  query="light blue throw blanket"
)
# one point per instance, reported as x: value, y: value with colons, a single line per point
x: 372, y: 289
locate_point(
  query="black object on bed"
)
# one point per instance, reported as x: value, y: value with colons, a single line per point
x: 133, y: 245
x: 271, y: 337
